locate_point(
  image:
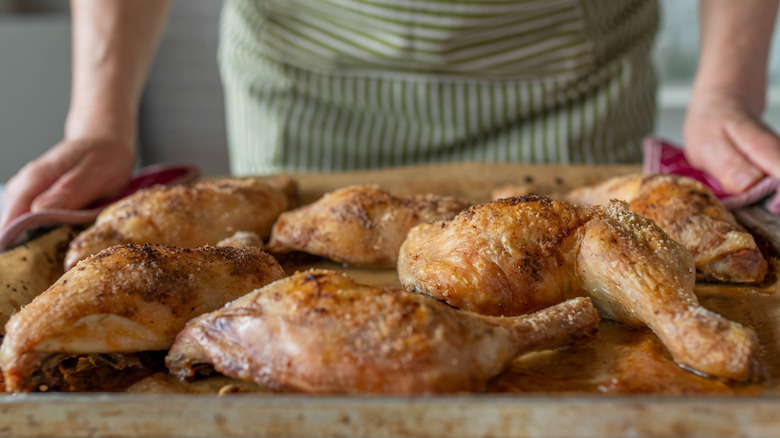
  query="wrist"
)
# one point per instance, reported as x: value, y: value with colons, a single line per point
x: 735, y: 40
x: 102, y: 123
x: 713, y: 94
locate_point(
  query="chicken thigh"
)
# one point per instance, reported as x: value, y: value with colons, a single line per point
x: 125, y: 299
x: 358, y: 225
x: 187, y: 216
x: 691, y: 214
x: 320, y: 332
x: 518, y: 255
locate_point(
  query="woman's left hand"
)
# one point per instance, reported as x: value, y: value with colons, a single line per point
x: 724, y: 137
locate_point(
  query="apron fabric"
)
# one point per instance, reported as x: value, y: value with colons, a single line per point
x: 339, y: 85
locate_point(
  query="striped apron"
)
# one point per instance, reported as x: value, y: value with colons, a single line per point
x: 337, y: 85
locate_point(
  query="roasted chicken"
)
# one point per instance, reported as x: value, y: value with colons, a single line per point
x: 114, y: 307
x: 242, y: 239
x: 187, y: 216
x: 358, y: 225
x: 518, y: 255
x: 320, y: 332
x: 691, y: 214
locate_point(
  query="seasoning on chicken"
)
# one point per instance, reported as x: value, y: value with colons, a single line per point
x: 358, y: 225
x: 320, y: 332
x: 518, y: 255
x: 101, y: 319
x: 187, y: 216
x: 691, y: 214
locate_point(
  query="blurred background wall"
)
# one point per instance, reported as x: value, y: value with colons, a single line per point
x: 182, y: 118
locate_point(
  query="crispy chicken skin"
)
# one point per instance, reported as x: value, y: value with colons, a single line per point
x: 518, y: 255
x: 320, y: 332
x: 690, y: 213
x: 187, y: 216
x: 126, y: 299
x: 359, y: 225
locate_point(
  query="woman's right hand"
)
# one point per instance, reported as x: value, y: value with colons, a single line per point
x: 113, y: 48
x: 70, y: 175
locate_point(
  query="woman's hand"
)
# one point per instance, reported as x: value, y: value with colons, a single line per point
x: 725, y: 137
x: 70, y: 175
x: 723, y: 132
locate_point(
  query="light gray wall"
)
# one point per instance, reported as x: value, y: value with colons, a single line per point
x: 34, y: 86
x: 182, y: 114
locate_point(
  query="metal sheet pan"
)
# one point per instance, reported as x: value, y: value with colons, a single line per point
x: 566, y: 414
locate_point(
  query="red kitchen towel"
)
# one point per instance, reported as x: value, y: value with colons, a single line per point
x: 661, y: 156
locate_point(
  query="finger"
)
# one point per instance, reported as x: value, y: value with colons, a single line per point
x: 758, y: 143
x: 13, y: 207
x: 724, y: 162
x: 25, y: 186
x: 79, y: 187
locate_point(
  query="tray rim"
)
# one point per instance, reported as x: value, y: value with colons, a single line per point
x: 467, y: 415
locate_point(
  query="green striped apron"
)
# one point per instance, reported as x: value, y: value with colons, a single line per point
x: 336, y: 85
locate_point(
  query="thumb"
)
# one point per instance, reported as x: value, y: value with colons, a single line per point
x: 737, y: 177
x: 725, y: 163
x: 758, y: 143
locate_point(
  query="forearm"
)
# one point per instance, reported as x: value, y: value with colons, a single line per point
x: 114, y: 42
x: 723, y: 133
x: 735, y: 40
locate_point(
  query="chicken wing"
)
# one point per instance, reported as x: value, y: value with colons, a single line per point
x: 319, y: 331
x: 187, y: 216
x: 689, y: 212
x: 125, y: 299
x: 518, y: 255
x: 358, y: 225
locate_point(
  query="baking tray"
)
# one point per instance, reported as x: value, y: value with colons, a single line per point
x: 543, y: 410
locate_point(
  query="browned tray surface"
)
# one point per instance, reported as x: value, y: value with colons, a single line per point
x: 609, y: 388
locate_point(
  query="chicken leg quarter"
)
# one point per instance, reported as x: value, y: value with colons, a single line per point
x: 360, y: 225
x: 686, y: 209
x: 319, y: 331
x: 187, y: 216
x: 124, y: 300
x: 517, y: 255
